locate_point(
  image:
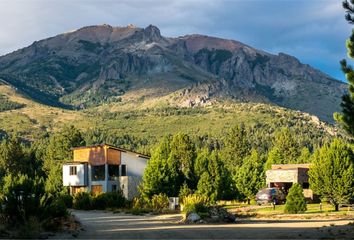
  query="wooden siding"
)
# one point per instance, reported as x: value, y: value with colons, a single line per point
x: 113, y: 156
x: 97, y: 155
x: 96, y: 189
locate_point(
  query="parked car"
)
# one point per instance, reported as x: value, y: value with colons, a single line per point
x: 270, y: 195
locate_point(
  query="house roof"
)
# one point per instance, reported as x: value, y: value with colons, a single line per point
x: 113, y: 147
x: 290, y: 166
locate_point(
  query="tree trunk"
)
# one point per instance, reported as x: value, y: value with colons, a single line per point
x: 248, y: 201
x: 336, y: 207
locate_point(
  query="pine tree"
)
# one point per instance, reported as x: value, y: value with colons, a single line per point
x: 285, y: 149
x: 182, y: 159
x: 249, y: 177
x: 346, y: 118
x: 332, y: 172
x: 236, y: 146
x: 305, y: 156
x: 211, y: 182
x: 158, y: 176
x: 57, y: 152
x: 295, y: 201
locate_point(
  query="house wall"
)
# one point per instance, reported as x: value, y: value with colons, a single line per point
x: 80, y: 179
x: 135, y: 170
x: 303, y: 175
x: 135, y: 164
x: 274, y: 176
x: 93, y: 155
x: 113, y: 156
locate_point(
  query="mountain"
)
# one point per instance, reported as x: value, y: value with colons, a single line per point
x: 105, y: 64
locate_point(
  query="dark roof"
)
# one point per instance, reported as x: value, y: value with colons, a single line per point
x: 113, y: 147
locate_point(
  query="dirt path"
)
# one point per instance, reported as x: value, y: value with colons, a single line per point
x: 101, y: 224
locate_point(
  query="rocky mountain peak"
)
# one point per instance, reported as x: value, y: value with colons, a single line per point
x: 98, y: 63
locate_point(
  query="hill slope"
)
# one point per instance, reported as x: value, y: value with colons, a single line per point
x: 100, y: 64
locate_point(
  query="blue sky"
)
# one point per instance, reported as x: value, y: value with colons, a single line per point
x: 312, y: 30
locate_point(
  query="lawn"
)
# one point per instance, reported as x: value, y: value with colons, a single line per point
x: 313, y: 210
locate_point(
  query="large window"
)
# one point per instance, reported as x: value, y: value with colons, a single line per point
x: 97, y: 173
x: 113, y: 172
x: 73, y: 170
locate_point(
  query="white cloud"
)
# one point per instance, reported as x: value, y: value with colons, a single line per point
x: 274, y: 25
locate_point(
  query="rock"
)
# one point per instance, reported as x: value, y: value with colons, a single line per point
x: 221, y: 214
x: 192, y: 217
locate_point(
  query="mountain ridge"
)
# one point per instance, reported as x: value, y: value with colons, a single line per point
x: 101, y: 63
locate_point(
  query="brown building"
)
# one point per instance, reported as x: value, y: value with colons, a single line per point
x: 283, y: 176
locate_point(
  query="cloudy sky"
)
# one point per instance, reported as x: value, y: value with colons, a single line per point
x: 312, y: 30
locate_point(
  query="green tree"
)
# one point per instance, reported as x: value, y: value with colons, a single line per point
x: 57, y: 152
x: 182, y: 158
x: 201, y: 162
x: 215, y: 182
x: 285, y: 149
x: 158, y: 177
x: 305, y: 156
x: 295, y: 201
x: 346, y: 118
x: 17, y: 159
x: 332, y: 172
x: 21, y: 197
x: 236, y: 146
x: 249, y: 177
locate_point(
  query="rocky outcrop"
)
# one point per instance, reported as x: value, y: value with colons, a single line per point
x: 200, y: 68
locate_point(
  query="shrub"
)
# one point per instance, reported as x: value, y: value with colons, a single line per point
x: 20, y: 198
x: 159, y: 202
x: 116, y: 199
x: 57, y: 209
x: 109, y: 200
x: 195, y: 203
x: 82, y: 201
x: 141, y: 203
x: 295, y: 201
x: 184, y: 191
x: 67, y: 199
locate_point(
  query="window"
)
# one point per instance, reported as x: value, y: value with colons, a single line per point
x: 113, y: 172
x: 97, y: 173
x: 124, y: 170
x: 73, y: 170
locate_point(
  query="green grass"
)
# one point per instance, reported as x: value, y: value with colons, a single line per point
x: 313, y: 208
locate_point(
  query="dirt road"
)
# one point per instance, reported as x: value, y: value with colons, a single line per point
x: 101, y: 224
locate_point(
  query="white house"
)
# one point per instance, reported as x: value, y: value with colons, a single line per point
x: 104, y: 168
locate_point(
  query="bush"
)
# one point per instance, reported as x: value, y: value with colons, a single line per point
x: 141, y: 203
x: 195, y: 203
x: 159, y: 202
x: 295, y: 201
x: 82, y: 201
x: 109, y: 200
x: 184, y: 191
x: 21, y: 198
x: 67, y: 199
x: 57, y: 209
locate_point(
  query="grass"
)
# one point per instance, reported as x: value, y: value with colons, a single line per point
x: 313, y: 209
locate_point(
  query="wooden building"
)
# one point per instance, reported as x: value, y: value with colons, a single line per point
x: 104, y: 168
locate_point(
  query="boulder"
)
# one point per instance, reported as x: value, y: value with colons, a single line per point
x: 192, y: 217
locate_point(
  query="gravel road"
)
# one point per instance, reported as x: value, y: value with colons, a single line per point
x: 102, y: 224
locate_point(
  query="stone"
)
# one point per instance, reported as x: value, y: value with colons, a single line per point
x: 193, y: 217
